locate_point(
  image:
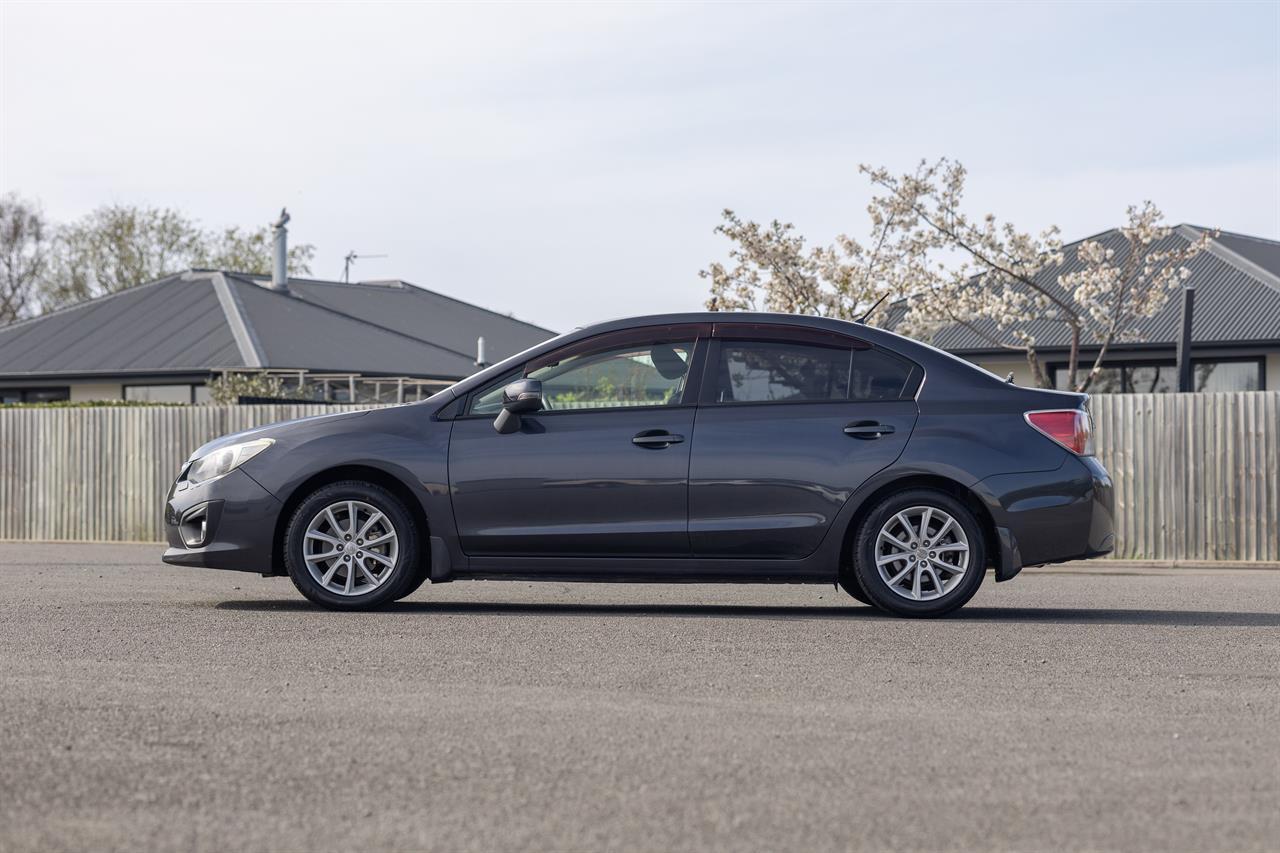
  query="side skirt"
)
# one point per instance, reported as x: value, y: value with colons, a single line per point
x: 644, y: 570
x: 596, y: 577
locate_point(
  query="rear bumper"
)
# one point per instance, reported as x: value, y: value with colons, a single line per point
x: 239, y: 520
x: 1051, y: 516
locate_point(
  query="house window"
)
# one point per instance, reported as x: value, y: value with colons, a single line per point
x: 34, y: 395
x: 1162, y: 377
x: 159, y: 393
x: 1227, y: 375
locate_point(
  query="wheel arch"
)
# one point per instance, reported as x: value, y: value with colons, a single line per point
x: 366, y: 473
x: 990, y: 538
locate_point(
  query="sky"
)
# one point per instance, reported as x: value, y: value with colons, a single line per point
x: 567, y: 163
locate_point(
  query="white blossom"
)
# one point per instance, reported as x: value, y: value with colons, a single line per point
x: 952, y: 269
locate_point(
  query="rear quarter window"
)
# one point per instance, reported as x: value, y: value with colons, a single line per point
x: 878, y: 375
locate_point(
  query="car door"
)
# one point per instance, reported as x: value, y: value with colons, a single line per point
x: 602, y: 470
x: 791, y: 421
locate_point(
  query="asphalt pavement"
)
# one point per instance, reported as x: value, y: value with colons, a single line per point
x: 144, y: 707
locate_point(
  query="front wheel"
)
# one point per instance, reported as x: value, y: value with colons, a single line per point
x: 919, y: 553
x: 352, y: 546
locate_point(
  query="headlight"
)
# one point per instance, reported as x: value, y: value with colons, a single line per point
x: 224, y: 460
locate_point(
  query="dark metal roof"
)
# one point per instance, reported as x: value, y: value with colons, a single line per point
x: 207, y: 319
x: 1264, y: 253
x: 1237, y: 298
x: 398, y: 305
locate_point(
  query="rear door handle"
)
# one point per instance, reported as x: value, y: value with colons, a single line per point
x: 868, y: 430
x: 656, y: 438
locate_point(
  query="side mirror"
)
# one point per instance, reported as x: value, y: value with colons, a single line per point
x: 522, y: 397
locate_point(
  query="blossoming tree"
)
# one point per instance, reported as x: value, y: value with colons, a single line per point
x: 951, y: 269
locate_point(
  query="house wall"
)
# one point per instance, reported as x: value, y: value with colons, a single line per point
x: 88, y: 391
x: 1272, y: 379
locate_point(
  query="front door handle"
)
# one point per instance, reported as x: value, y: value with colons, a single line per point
x: 867, y: 430
x: 656, y: 438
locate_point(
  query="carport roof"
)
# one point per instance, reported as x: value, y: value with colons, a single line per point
x: 204, y: 320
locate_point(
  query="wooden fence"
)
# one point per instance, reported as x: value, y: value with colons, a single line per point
x: 1197, y: 476
x: 101, y: 474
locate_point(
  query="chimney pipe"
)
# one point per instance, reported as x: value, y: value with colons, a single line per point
x: 280, y: 252
x: 480, y: 362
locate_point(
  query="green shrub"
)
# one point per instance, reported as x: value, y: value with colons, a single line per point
x: 228, y: 388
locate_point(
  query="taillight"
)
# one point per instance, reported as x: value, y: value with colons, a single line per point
x: 1069, y: 427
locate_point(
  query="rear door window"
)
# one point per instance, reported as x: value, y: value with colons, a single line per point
x: 794, y: 372
x: 776, y: 372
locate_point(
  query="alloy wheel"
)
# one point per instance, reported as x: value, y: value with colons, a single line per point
x: 350, y: 548
x: 922, y: 553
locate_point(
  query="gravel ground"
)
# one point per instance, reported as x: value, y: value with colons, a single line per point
x: 153, y: 707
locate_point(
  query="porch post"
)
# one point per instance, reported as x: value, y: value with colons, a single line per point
x: 1184, y: 340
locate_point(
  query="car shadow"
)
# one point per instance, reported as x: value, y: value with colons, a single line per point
x: 1046, y: 615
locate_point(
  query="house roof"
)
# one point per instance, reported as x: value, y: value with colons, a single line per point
x: 205, y: 320
x: 1237, y: 280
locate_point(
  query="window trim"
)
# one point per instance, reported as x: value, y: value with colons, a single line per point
x: 607, y: 340
x: 777, y: 333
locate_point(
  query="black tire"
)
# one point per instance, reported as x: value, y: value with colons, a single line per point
x: 877, y: 588
x: 405, y: 574
x: 849, y: 583
x: 421, y: 578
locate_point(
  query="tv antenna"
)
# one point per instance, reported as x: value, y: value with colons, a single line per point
x: 350, y: 260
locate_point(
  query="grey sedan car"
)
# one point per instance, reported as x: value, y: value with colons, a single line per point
x: 687, y: 447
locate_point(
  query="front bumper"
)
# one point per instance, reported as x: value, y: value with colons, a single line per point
x: 239, y: 522
x: 1051, y: 516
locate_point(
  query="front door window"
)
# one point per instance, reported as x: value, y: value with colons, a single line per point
x: 612, y: 377
x: 626, y: 376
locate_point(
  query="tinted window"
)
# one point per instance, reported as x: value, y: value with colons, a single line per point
x: 631, y: 375
x: 768, y: 371
x: 489, y: 401
x: 878, y: 376
x: 615, y: 377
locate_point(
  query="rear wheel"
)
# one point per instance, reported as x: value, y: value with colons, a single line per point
x: 919, y: 553
x: 352, y: 546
